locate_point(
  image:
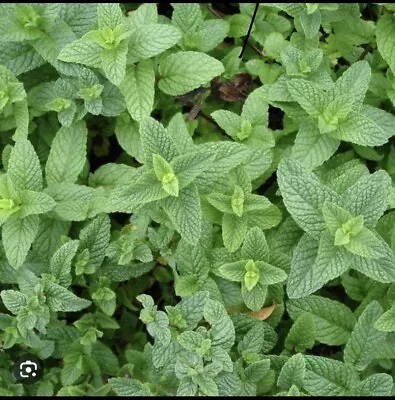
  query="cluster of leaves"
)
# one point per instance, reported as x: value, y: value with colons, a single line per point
x: 179, y: 220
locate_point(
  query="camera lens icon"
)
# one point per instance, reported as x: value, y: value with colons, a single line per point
x: 28, y: 369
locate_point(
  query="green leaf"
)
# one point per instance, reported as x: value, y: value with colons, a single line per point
x: 375, y: 385
x: 301, y: 336
x: 304, y: 195
x: 334, y: 322
x: 24, y: 168
x: 386, y: 322
x: 145, y: 13
x: 311, y: 268
x: 192, y: 308
x: 234, y: 229
x: 256, y: 108
x: 354, y: 82
x: 60, y: 299
x: 257, y: 370
x: 302, y: 277
x: 111, y: 175
x: 310, y: 97
x: 179, y: 133
x: 211, y: 34
x: 184, y: 71
x: 229, y: 155
x: 380, y: 269
x: 19, y: 57
x: 187, y: 285
x: 66, y: 158
x: 155, y: 139
x: 82, y: 51
x: 145, y: 190
x: 325, y: 376
x: 253, y: 341
x: 385, y: 36
x: 151, y: 39
x: 369, y: 197
x: 34, y: 203
x: 187, y: 17
x: 367, y: 244
x: 292, y: 372
x: 255, y: 246
x: 95, y: 237
x: 222, y: 329
x: 60, y: 263
x: 228, y: 121
x: 336, y: 216
x: 255, y: 297
x: 138, y: 89
x: 239, y: 24
x: 107, y: 360
x: 233, y: 271
x: 129, y: 387
x: 162, y: 168
x: 127, y: 133
x: 105, y: 299
x: 361, y: 129
x: 184, y: 212
x: 188, y: 167
x: 270, y: 275
x: 13, y: 300
x: 48, y: 238
x: 310, y: 23
x: 109, y: 15
x: 113, y: 62
x: 365, y: 338
x: 221, y: 202
x: 18, y: 235
x: 187, y: 387
x: 311, y: 148
x: 72, y: 201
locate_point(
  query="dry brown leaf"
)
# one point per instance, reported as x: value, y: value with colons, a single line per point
x: 237, y: 89
x: 263, y: 314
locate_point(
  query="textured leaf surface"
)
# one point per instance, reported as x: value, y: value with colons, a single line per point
x: 24, y: 168
x: 149, y: 40
x: 183, y: 72
x: 325, y: 376
x: 312, y: 148
x: 95, y: 237
x: 314, y: 264
x: 365, y: 338
x: 333, y: 320
x: 222, y: 327
x: 369, y: 197
x: 18, y: 236
x: 292, y: 372
x: 138, y: 89
x: 303, y: 195
x: 67, y: 156
x: 184, y: 211
x: 156, y: 140
x: 385, y: 34
x: 375, y: 385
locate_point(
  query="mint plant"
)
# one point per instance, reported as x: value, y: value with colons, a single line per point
x: 253, y: 270
x: 198, y: 199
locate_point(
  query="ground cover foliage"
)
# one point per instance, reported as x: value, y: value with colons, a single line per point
x: 177, y: 220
